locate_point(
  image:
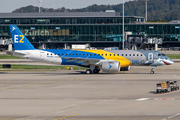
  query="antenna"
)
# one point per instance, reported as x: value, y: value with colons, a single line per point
x: 39, y: 1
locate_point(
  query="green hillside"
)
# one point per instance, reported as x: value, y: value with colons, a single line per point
x: 157, y: 9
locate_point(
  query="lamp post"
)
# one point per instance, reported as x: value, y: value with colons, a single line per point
x: 146, y: 9
x: 123, y: 27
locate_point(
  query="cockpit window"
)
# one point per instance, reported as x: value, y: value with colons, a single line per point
x: 161, y: 54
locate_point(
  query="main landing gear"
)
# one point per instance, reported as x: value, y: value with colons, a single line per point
x: 152, y: 69
x: 93, y: 69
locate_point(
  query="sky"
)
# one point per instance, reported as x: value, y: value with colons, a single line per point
x: 7, y: 6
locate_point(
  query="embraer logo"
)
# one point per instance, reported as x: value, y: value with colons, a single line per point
x: 110, y: 66
x: 13, y: 28
x: 16, y: 38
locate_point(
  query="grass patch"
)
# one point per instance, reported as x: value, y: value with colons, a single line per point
x: 26, y: 67
x: 4, y: 56
x: 173, y: 56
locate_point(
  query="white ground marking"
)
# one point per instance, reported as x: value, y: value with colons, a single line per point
x: 141, y: 99
x: 171, y: 116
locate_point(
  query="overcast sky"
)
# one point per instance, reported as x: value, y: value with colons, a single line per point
x: 10, y: 5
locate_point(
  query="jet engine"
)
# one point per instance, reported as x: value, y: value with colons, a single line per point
x: 125, y: 68
x: 110, y: 66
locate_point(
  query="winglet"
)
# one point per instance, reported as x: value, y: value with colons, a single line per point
x: 19, y: 40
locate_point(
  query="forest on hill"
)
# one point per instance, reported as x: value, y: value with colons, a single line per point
x: 157, y: 9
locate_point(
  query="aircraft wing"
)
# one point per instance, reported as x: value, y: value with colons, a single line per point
x: 86, y: 61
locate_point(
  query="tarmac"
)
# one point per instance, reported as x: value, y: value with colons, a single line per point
x: 74, y: 95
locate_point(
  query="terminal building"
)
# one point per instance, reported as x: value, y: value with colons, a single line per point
x: 98, y: 29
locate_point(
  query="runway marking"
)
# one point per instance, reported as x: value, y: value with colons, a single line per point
x: 44, y: 83
x: 10, y: 88
x: 164, y: 99
x: 74, y: 79
x: 58, y: 81
x: 28, y: 86
x: 171, y: 116
x: 141, y: 99
x: 67, y: 117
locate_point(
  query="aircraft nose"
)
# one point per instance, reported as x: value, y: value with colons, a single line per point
x: 168, y: 62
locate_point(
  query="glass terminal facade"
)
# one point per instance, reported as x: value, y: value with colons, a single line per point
x: 98, y: 29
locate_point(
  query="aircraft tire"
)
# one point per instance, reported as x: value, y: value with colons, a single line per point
x: 152, y: 72
x: 88, y: 71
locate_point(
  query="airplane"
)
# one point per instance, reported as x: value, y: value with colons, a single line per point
x: 96, y: 60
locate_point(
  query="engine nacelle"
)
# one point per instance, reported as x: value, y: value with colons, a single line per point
x: 125, y: 68
x: 111, y: 66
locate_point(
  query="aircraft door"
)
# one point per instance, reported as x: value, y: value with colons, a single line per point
x: 150, y: 56
x: 41, y: 55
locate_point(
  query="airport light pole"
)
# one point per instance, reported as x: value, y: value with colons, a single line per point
x: 123, y: 27
x: 146, y: 9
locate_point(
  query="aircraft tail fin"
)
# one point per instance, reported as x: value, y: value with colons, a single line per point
x: 19, y: 40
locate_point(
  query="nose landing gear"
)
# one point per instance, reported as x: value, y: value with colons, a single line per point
x: 152, y: 69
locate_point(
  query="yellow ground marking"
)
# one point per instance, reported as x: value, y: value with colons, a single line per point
x: 28, y: 86
x: 3, y: 83
x: 10, y: 88
x: 74, y: 79
x: 58, y: 81
x: 44, y: 83
x: 66, y: 117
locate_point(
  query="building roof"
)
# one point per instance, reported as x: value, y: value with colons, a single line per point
x: 63, y: 15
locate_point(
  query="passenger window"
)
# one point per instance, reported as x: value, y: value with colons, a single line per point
x: 141, y: 55
x: 76, y: 54
x: 129, y: 54
x: 54, y: 54
x: 109, y: 54
x: 51, y: 54
x: 65, y: 54
x: 122, y: 54
x: 87, y: 54
x: 114, y: 54
x: 106, y: 54
x: 83, y: 54
x: 47, y: 53
x: 58, y: 54
x: 94, y: 54
x: 133, y: 54
x: 69, y: 54
x: 98, y: 54
x: 137, y: 54
x: 62, y: 54
x: 102, y: 54
x: 79, y: 54
x: 72, y: 54
x: 117, y: 54
x: 90, y: 54
x: 126, y: 54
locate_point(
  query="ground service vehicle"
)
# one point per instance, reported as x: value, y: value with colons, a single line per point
x: 166, y: 86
